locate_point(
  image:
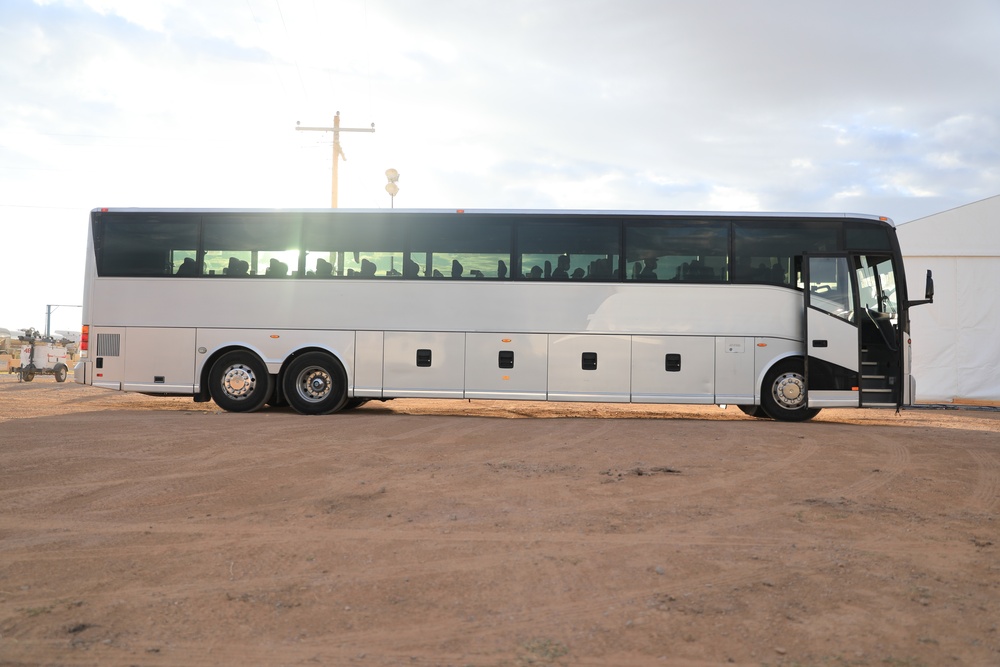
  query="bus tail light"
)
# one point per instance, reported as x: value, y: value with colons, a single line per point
x: 85, y: 338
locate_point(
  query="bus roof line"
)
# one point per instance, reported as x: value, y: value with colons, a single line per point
x: 491, y: 211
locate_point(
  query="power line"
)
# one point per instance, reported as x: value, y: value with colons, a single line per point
x: 295, y: 58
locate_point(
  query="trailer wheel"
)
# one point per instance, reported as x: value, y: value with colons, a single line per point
x: 28, y: 373
x: 60, y: 372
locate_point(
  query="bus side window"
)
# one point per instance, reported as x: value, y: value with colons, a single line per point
x: 585, y: 249
x: 146, y: 247
x: 677, y: 250
x: 766, y: 251
x: 470, y: 248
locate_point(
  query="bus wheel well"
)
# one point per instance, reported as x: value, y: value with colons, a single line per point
x: 239, y: 381
x: 314, y: 382
x: 203, y: 396
x: 306, y: 350
x: 783, y: 391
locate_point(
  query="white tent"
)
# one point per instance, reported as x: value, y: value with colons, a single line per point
x: 956, y: 339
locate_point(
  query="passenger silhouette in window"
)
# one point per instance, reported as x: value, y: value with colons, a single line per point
x: 187, y: 268
x: 562, y: 268
x: 456, y: 268
x: 276, y: 269
x: 324, y: 269
x: 237, y: 267
x: 501, y: 269
x: 367, y: 268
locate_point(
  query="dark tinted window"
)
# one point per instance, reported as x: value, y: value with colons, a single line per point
x: 362, y: 246
x: 153, y: 246
x: 466, y: 247
x: 862, y: 236
x: 765, y: 251
x: 252, y: 245
x: 677, y: 250
x: 570, y: 250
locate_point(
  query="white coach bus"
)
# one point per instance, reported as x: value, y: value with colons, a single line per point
x: 322, y: 310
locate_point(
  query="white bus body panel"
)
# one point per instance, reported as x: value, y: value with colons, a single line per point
x: 527, y: 380
x: 444, y: 377
x: 840, y: 336
x: 694, y: 382
x: 108, y: 346
x: 159, y: 360
x: 388, y: 305
x: 368, y: 364
x: 834, y: 340
x: 767, y: 352
x: 569, y: 380
x: 734, y: 370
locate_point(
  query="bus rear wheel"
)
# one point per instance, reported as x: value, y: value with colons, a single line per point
x: 315, y: 384
x: 783, y: 394
x: 239, y: 382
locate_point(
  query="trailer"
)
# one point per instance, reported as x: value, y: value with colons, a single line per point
x: 41, y: 355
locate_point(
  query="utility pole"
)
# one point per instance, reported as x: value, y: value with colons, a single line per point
x: 338, y: 152
x: 48, y: 315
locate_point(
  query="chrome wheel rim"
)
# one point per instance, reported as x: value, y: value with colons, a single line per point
x: 789, y: 391
x: 313, y: 384
x: 239, y: 381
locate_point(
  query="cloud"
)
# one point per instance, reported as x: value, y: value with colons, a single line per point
x: 886, y: 107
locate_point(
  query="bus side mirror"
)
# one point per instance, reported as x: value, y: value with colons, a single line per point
x: 928, y: 291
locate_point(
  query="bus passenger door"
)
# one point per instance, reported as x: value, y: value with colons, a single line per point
x: 830, y: 332
x: 878, y: 318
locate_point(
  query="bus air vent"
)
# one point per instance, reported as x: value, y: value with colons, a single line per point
x: 108, y: 345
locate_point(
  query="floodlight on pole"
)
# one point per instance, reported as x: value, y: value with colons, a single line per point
x: 392, y: 175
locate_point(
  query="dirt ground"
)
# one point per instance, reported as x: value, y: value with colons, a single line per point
x: 156, y: 531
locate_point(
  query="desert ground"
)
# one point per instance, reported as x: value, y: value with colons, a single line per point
x: 137, y: 530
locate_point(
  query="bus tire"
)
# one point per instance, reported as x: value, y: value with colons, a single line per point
x: 783, y: 394
x: 60, y: 372
x: 315, y: 384
x: 239, y: 382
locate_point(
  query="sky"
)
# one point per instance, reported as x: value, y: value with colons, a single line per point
x: 887, y: 107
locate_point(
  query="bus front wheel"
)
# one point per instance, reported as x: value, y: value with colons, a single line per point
x: 239, y: 382
x: 315, y: 384
x: 783, y: 394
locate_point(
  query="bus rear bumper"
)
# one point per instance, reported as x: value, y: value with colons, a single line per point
x: 82, y: 372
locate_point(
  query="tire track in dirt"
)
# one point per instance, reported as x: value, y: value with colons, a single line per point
x: 985, y: 494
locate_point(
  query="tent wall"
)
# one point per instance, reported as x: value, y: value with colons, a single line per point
x: 956, y: 340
